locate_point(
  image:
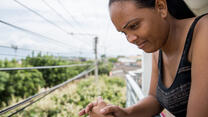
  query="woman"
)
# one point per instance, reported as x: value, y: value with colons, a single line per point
x: 179, y: 79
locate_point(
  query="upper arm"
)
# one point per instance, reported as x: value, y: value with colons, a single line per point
x: 198, y: 104
x: 153, y: 84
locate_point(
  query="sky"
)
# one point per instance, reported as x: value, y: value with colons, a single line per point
x: 64, y: 27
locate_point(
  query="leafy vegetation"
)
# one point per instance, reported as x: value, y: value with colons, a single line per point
x: 104, y: 68
x: 113, y: 60
x: 67, y: 102
x: 24, y: 83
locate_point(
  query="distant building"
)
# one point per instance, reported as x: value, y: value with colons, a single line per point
x: 130, y: 61
x: 126, y: 64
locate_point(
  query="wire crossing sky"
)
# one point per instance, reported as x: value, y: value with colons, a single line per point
x: 81, y: 19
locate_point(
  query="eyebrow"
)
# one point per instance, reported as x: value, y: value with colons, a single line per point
x: 129, y: 23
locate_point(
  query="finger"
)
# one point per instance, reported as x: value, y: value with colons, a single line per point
x: 90, y: 106
x: 99, y: 100
x: 82, y: 112
x: 109, y: 105
x: 109, y: 109
x: 95, y: 103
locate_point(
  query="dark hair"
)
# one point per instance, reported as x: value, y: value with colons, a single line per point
x: 177, y: 8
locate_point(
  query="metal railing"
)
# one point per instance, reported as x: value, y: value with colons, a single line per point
x: 29, y: 101
x: 43, y: 67
x: 134, y: 92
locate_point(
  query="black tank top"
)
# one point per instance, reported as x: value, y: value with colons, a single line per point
x: 175, y: 98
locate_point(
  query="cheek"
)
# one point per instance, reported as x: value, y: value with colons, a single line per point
x: 152, y: 33
x: 159, y: 33
x: 145, y: 31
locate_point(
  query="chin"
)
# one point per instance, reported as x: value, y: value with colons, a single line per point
x: 149, y: 50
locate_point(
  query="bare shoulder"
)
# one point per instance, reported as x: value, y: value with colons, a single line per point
x: 198, y: 104
x: 200, y: 35
x: 202, y: 26
x: 203, y: 20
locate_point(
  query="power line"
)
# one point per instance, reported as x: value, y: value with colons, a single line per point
x: 65, y: 20
x: 61, y: 4
x: 55, y: 54
x: 26, y: 49
x: 83, y: 34
x: 75, y: 20
x: 21, y: 56
x: 54, y: 24
x: 44, y: 93
x: 33, y: 33
x: 47, y: 20
x: 42, y: 67
x: 12, y: 55
x: 58, y: 14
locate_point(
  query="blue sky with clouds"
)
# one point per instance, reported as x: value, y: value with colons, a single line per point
x: 79, y: 16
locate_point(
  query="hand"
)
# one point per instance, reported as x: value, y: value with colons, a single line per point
x: 116, y: 111
x: 96, y: 110
x: 90, y: 106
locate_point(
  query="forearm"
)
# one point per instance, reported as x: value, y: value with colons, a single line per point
x: 146, y: 107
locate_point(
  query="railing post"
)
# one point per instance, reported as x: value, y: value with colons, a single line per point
x: 146, y: 74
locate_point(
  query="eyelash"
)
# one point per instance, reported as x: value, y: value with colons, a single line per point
x: 133, y: 26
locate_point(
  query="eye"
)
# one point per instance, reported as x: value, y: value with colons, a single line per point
x: 133, y: 26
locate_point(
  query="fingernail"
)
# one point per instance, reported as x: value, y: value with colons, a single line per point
x: 102, y: 110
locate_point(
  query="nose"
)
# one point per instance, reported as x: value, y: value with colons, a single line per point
x: 131, y: 38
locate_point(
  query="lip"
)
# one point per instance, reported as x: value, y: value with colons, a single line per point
x: 141, y: 45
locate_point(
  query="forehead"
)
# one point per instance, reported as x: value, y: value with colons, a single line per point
x: 124, y: 11
x: 122, y: 7
x: 121, y: 11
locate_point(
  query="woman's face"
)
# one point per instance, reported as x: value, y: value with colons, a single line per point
x: 143, y: 27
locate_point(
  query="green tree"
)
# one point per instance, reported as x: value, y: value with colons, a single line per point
x: 113, y: 60
x: 4, y: 79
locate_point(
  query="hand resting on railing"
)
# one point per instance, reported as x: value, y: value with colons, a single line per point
x: 96, y: 111
x: 102, y: 109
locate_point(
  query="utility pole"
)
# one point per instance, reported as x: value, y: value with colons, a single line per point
x: 96, y: 60
x: 15, y: 47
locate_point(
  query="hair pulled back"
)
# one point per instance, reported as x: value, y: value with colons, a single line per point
x: 177, y: 8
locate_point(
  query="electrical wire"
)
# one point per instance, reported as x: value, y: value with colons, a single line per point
x: 36, y: 34
x: 43, y: 17
x: 54, y: 24
x: 26, y: 49
x: 47, y: 20
x: 56, y: 12
x: 75, y: 20
x: 12, y: 55
x: 67, y: 11
x: 31, y: 32
x: 65, y: 20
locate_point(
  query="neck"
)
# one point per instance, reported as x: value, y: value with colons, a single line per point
x: 174, y: 43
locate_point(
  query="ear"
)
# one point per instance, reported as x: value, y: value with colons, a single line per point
x: 161, y: 8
